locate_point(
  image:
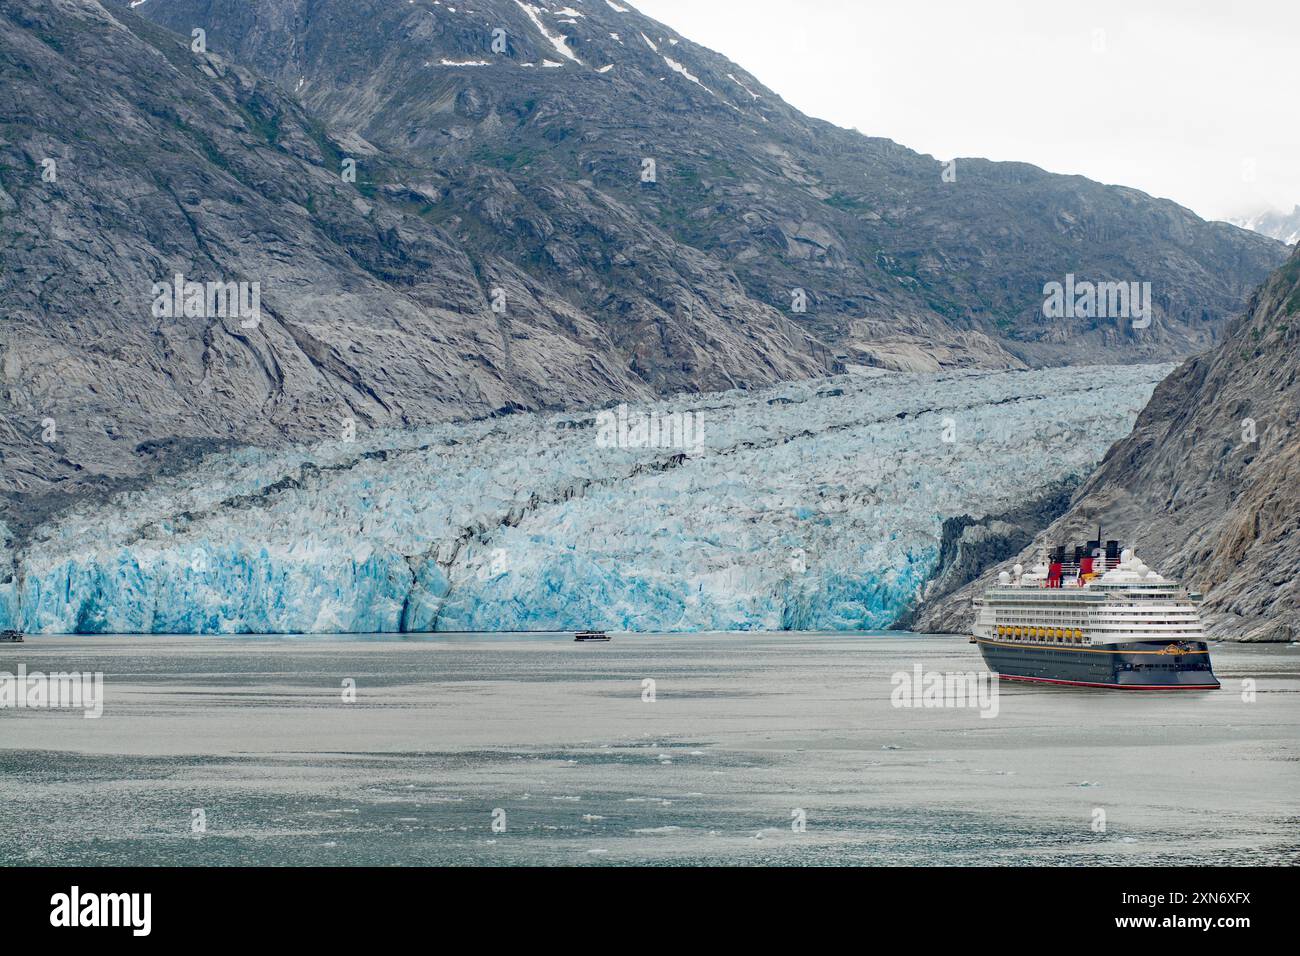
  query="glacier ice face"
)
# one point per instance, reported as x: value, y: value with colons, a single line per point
x: 815, y: 505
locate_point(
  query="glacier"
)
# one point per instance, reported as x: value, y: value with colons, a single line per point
x: 810, y: 505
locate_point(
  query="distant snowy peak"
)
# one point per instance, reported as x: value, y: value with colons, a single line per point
x: 1278, y: 225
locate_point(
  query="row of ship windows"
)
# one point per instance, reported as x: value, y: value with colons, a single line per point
x: 1095, y: 621
x: 1145, y: 610
x: 1038, y: 621
x: 1052, y: 600
x: 1074, y: 609
x: 1112, y: 624
x: 1119, y: 624
x: 1075, y: 615
x: 1055, y: 611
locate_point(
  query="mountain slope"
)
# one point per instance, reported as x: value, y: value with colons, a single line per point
x: 900, y: 268
x: 168, y: 161
x: 1208, y: 484
x: 516, y: 184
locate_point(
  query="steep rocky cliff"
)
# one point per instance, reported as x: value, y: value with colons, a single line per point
x: 1207, y: 486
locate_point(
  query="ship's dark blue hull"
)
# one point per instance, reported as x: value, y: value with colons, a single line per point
x: 1138, y: 665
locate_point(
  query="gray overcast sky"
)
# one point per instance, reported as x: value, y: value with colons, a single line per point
x: 1194, y: 100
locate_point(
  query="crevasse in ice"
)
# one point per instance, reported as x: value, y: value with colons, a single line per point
x: 814, y: 505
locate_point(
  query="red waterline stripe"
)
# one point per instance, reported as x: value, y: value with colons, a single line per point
x: 1081, y: 683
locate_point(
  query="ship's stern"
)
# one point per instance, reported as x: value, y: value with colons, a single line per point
x: 1154, y: 665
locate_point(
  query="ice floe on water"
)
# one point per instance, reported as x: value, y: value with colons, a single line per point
x: 813, y: 505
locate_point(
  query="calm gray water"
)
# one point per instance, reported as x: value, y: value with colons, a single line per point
x: 744, y: 733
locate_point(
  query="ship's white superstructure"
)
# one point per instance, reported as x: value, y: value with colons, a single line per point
x: 1101, y: 602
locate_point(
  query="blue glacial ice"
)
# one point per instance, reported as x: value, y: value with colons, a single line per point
x: 815, y: 505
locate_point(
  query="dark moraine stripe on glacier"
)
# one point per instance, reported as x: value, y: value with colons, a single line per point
x: 811, y: 505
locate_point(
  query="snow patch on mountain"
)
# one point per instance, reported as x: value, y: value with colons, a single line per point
x: 743, y: 86
x: 679, y: 68
x: 556, y: 41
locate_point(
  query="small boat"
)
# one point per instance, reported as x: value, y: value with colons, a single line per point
x: 10, y: 637
x: 591, y: 636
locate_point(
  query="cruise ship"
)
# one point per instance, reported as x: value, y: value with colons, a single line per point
x: 1096, y: 618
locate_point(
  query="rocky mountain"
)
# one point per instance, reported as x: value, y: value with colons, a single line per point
x: 1284, y: 226
x: 899, y: 266
x: 1208, y: 484
x: 165, y: 161
x: 969, y: 547
x: 452, y: 212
